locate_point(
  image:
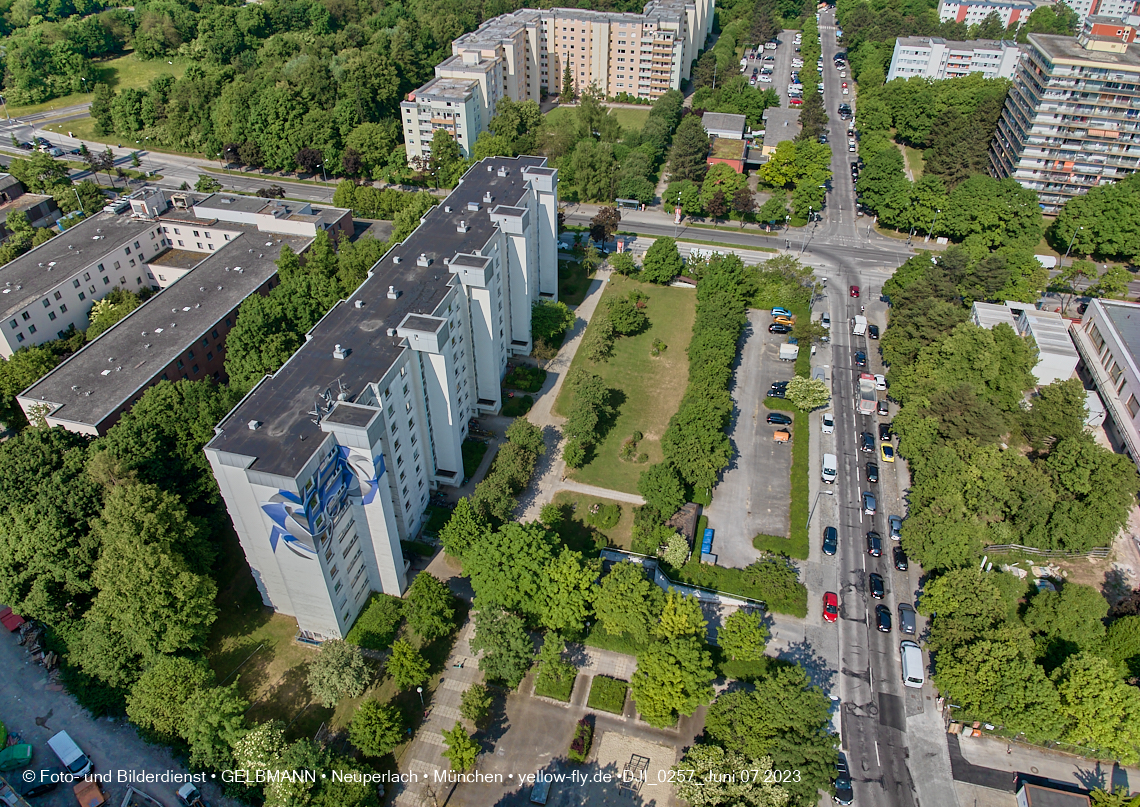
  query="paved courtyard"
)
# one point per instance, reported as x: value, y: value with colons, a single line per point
x: 753, y: 496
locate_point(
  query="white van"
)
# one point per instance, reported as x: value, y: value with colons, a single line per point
x: 74, y: 760
x: 830, y: 468
x: 913, y: 672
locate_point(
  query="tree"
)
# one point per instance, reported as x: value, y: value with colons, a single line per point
x: 743, y: 635
x: 406, y: 666
x: 622, y: 263
x: 1117, y: 798
x: 662, y: 488
x: 463, y: 529
x: 1067, y: 620
x: 672, y: 678
x: 506, y: 647
x: 744, y: 203
x: 261, y: 748
x: 785, y: 718
x: 215, y: 719
x: 807, y: 393
x: 1102, y: 711
x: 712, y: 777
x: 717, y: 206
x: 339, y: 671
x: 109, y: 310
x: 526, y: 435
x: 591, y: 257
x: 690, y: 150
x: 627, y: 603
x: 676, y: 552
x: 680, y: 616
x: 101, y: 102
x: 568, y: 86
x: 158, y: 700
x: 626, y: 317
x: 309, y: 160
x: 475, y: 705
x: 376, y: 728
x: 429, y: 610
x: 207, y: 184
x: 553, y: 672
x: 446, y: 161
x: 662, y: 262
x: 568, y: 588
x: 460, y: 750
x: 506, y: 567
x: 604, y: 224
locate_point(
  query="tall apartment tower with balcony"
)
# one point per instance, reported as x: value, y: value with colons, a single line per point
x: 1072, y: 118
x: 326, y: 465
x: 524, y: 54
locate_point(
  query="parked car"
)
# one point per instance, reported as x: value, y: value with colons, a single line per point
x: 885, y: 431
x: 72, y: 757
x: 36, y: 783
x: 880, y: 381
x: 899, y: 558
x: 778, y: 311
x: 854, y: 291
x: 830, y: 540
x: 778, y: 419
x: 894, y: 526
x: 907, y: 621
x: 825, y: 320
x: 851, y: 148
x: 42, y: 141
x: 830, y: 606
x: 869, y: 503
x: 828, y: 423
x: 883, y: 618
x: 782, y: 320
x: 777, y: 393
x: 887, y: 452
x: 876, y: 585
x: 873, y: 331
x: 874, y: 544
x: 884, y: 408
x: 26, y: 146
x: 844, y: 794
x: 860, y: 358
x: 776, y: 327
x: 872, y: 473
x: 866, y: 442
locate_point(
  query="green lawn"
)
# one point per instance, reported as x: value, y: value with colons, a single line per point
x: 607, y: 694
x: 473, y: 451
x: 122, y: 73
x: 630, y: 118
x: 558, y: 690
x: 650, y: 389
x: 915, y: 162
x: 84, y: 129
x: 573, y: 282
x: 580, y: 535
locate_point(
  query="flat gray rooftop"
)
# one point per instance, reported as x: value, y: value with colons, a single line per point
x: 32, y: 275
x: 1125, y: 317
x: 1067, y: 48
x: 96, y: 381
x: 286, y: 438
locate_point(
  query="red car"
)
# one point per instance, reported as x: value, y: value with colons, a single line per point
x: 830, y: 607
x: 854, y: 291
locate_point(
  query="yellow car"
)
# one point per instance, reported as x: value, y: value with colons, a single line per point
x: 887, y: 452
x: 783, y: 321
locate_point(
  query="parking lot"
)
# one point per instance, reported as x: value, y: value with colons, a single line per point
x: 781, y: 67
x: 754, y: 494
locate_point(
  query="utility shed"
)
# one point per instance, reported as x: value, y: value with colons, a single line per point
x: 722, y: 124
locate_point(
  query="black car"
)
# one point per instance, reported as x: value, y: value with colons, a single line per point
x: 873, y: 331
x: 777, y: 393
x: 884, y: 408
x: 74, y: 152
x: 866, y: 442
x: 875, y: 584
x: 883, y: 618
x: 26, y: 146
x: 900, y: 559
x: 830, y: 540
x: 860, y: 358
x: 776, y: 327
x: 844, y: 794
x: 780, y: 420
x: 874, y: 544
x: 43, y: 141
x: 779, y: 385
x: 872, y: 473
x: 36, y: 783
x: 884, y: 432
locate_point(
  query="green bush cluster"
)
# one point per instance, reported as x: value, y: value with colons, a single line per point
x: 588, y: 417
x: 607, y: 694
x: 549, y: 322
x: 773, y: 580
x: 525, y: 378
x: 603, y: 516
x: 378, y: 623
x: 494, y: 497
x: 518, y: 406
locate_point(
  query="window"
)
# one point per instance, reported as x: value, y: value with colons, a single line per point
x: 207, y: 235
x: 57, y: 296
x: 176, y: 232
x: 82, y: 296
x: 194, y: 369
x: 63, y: 309
x: 92, y: 288
x: 127, y: 251
x: 180, y: 364
x: 1133, y: 406
x: 199, y: 245
x: 136, y: 244
x: 196, y: 234
x: 51, y: 316
x: 86, y: 275
x: 101, y: 269
x: 211, y: 246
x: 25, y: 315
x: 181, y: 243
x: 106, y: 281
x: 118, y: 265
x: 205, y: 342
x: 19, y: 337
x: 227, y: 322
x: 31, y: 329
x: 132, y: 261
x: 75, y: 283
x: 213, y: 333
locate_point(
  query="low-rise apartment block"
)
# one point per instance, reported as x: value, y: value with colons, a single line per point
x: 205, y: 253
x: 973, y: 12
x: 1070, y: 120
x: 1056, y: 356
x: 326, y: 465
x: 523, y: 55
x: 937, y: 58
x: 1108, y: 339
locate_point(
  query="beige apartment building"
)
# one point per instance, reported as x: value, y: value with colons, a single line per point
x: 524, y: 54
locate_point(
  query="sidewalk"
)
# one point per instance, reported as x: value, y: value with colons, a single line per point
x: 998, y: 755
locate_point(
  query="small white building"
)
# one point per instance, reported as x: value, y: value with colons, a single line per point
x: 1056, y: 356
x: 722, y: 124
x: 937, y: 58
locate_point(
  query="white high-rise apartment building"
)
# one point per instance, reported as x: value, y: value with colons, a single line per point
x: 328, y: 463
x: 936, y: 58
x: 524, y: 54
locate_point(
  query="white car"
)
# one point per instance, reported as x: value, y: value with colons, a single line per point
x: 770, y: 45
x: 825, y: 320
x: 851, y: 149
x: 843, y: 74
x: 880, y: 382
x: 766, y: 79
x: 828, y: 423
x: 845, y: 91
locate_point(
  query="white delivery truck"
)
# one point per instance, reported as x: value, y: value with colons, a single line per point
x: 73, y: 759
x: 789, y: 352
x: 830, y: 468
x: 858, y: 325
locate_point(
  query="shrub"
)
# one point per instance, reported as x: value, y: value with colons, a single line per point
x: 658, y: 348
x: 525, y: 378
x: 473, y: 451
x: 607, y: 694
x: 642, y: 458
x: 549, y: 322
x: 583, y: 739
x: 676, y: 550
x: 517, y: 407
x: 377, y: 624
x: 603, y: 516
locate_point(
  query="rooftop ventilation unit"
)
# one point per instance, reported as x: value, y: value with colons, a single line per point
x: 447, y: 208
x: 391, y: 331
x: 359, y: 304
x: 488, y: 198
x: 339, y: 352
x: 490, y: 168
x: 503, y: 170
x: 395, y: 259
x: 472, y: 205
x: 423, y: 260
x: 392, y: 293
x: 462, y: 227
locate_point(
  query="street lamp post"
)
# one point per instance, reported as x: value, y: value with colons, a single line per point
x: 81, y: 210
x: 1074, y: 237
x: 420, y: 692
x: 803, y: 244
x: 930, y: 232
x: 5, y: 101
x: 811, y: 512
x: 324, y: 178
